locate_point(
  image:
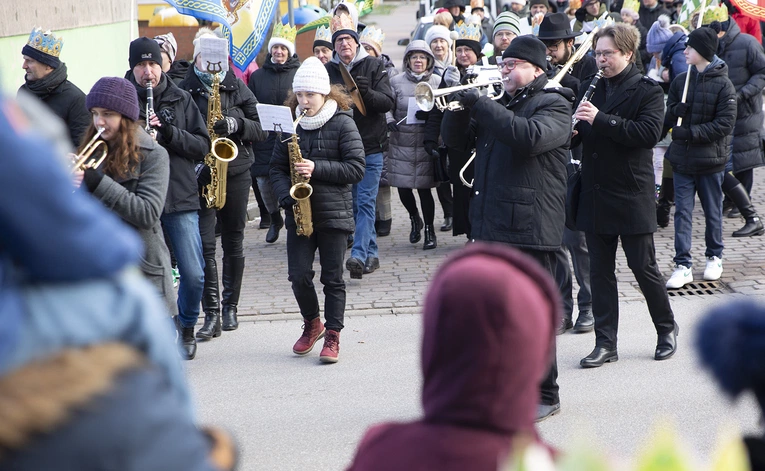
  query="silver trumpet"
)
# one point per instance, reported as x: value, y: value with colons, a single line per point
x: 426, y: 97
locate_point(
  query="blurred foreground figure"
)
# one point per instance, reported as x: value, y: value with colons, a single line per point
x: 488, y: 335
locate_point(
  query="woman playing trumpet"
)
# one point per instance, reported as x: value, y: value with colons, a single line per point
x: 132, y: 180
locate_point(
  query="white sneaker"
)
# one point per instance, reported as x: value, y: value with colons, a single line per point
x: 714, y: 269
x: 680, y: 277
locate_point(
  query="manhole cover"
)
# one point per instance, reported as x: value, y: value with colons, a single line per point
x: 699, y: 288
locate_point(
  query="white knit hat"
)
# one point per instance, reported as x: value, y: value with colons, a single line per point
x: 438, y: 31
x: 274, y: 41
x: 312, y: 76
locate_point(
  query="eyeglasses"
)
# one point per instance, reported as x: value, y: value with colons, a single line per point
x: 344, y: 39
x: 606, y: 53
x: 553, y: 47
x: 505, y: 35
x: 509, y: 64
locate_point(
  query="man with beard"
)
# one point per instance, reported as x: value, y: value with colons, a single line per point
x: 506, y: 28
x: 46, y: 78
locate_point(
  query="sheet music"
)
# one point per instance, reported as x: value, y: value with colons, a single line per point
x: 214, y: 52
x: 411, y: 110
x: 275, y: 118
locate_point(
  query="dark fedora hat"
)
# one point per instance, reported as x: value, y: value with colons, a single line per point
x: 556, y: 26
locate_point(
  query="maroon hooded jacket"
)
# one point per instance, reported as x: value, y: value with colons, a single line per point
x: 489, y: 326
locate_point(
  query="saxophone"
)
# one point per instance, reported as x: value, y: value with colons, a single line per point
x: 301, y: 190
x: 222, y: 151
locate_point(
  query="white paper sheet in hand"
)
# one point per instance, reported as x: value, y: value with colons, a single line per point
x: 214, y: 52
x: 275, y: 118
x: 411, y: 110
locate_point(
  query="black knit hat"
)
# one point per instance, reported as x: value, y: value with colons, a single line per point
x: 704, y: 41
x: 527, y: 48
x: 474, y: 45
x: 144, y: 49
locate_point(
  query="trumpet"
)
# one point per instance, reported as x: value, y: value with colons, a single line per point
x: 426, y: 97
x: 83, y: 160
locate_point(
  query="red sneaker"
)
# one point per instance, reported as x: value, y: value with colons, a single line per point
x: 312, y: 331
x: 331, y: 348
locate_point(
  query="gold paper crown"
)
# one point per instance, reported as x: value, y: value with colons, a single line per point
x: 323, y: 34
x: 633, y: 5
x: 46, y: 42
x: 713, y: 13
x: 372, y: 35
x: 340, y: 22
x: 469, y: 32
x: 285, y: 32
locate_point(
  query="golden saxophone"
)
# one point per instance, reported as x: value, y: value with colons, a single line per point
x: 222, y: 150
x: 301, y: 190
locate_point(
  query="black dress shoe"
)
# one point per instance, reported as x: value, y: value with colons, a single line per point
x: 599, y: 356
x: 666, y: 345
x: 372, y: 264
x: 565, y: 324
x: 356, y: 268
x: 349, y: 241
x: 584, y: 323
x: 545, y: 411
x: 383, y: 227
x: 447, y: 225
x: 276, y: 225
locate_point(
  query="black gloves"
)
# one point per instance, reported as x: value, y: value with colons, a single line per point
x: 681, y: 110
x: 467, y: 98
x: 680, y: 133
x: 430, y: 147
x: 392, y: 126
x: 92, y: 178
x: 287, y: 203
x: 421, y: 115
x: 362, y: 83
x: 165, y: 131
x: 227, y: 126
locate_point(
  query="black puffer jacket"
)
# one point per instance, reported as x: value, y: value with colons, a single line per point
x: 712, y: 101
x: 378, y: 99
x: 188, y: 144
x: 178, y: 71
x: 236, y: 101
x: 270, y: 84
x: 746, y: 69
x: 520, y: 166
x: 336, y: 150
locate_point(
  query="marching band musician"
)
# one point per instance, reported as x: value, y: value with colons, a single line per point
x: 521, y: 143
x: 132, y: 181
x: 240, y: 124
x: 183, y: 133
x: 333, y: 159
x: 618, y: 128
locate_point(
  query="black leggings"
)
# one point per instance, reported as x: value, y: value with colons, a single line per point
x: 746, y: 178
x: 426, y: 200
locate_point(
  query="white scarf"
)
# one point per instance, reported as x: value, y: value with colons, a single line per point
x: 316, y: 121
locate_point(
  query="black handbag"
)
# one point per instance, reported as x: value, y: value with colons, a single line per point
x: 573, y: 190
x: 441, y: 166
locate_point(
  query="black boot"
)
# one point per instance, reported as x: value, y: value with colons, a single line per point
x: 753, y: 226
x: 265, y: 219
x: 188, y: 343
x: 448, y: 224
x: 417, y: 224
x: 430, y: 238
x: 666, y: 199
x: 276, y: 225
x: 383, y: 227
x: 233, y: 268
x: 210, y: 302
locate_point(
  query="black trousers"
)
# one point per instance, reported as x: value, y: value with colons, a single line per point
x: 641, y: 258
x: 233, y: 218
x: 444, y: 192
x: 549, y: 388
x: 301, y: 252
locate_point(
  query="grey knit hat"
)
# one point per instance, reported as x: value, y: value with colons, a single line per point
x: 116, y: 94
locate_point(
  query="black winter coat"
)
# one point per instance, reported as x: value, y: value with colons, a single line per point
x: 178, y: 70
x: 746, y: 69
x: 336, y: 150
x: 188, y: 144
x: 649, y: 16
x: 270, y: 84
x: 712, y: 101
x: 378, y: 100
x: 520, y: 167
x: 236, y: 101
x: 618, y: 192
x: 672, y: 56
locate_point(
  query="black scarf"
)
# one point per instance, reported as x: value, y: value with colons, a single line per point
x: 45, y: 86
x: 158, y: 90
x: 613, y: 83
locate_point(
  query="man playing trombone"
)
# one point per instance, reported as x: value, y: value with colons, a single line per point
x: 521, y: 143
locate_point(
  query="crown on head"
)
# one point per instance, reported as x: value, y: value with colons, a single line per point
x: 45, y: 42
x: 470, y: 32
x: 633, y: 5
x: 718, y: 13
x: 372, y: 35
x: 340, y: 22
x: 323, y: 34
x: 285, y: 32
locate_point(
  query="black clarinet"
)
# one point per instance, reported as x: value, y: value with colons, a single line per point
x: 588, y: 95
x: 149, y: 106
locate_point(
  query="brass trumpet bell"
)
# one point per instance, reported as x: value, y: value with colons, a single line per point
x: 84, y: 160
x: 426, y: 97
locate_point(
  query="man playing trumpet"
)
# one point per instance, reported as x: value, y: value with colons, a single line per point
x: 521, y: 143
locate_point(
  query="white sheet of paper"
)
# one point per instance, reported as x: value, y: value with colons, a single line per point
x: 275, y: 118
x: 411, y: 110
x: 214, y: 52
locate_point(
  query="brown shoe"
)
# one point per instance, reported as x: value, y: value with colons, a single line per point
x: 331, y: 349
x: 312, y: 332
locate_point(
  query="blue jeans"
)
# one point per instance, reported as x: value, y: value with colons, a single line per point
x: 364, y: 200
x: 183, y: 229
x: 709, y: 188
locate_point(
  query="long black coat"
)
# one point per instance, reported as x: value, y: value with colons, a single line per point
x: 270, y: 84
x: 746, y: 69
x: 336, y: 150
x: 712, y: 101
x: 520, y: 167
x: 236, y: 101
x: 618, y: 192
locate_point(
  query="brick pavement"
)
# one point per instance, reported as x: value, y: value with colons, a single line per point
x: 405, y: 269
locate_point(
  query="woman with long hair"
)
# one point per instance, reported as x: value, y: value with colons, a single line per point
x: 333, y: 160
x: 132, y: 180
